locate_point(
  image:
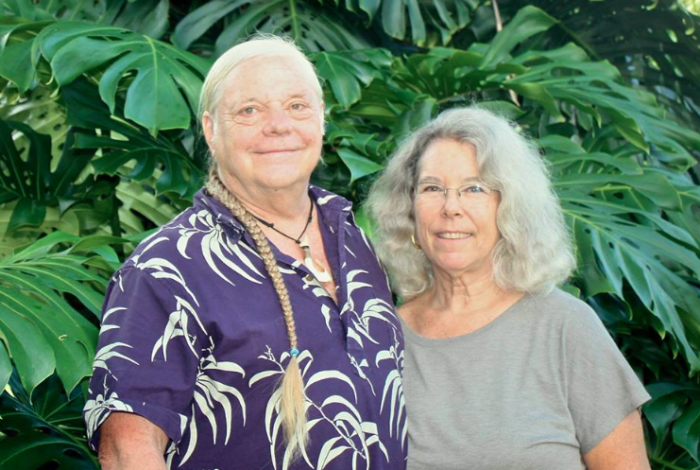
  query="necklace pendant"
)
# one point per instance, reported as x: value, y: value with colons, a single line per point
x: 312, y: 265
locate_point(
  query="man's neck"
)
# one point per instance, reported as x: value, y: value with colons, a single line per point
x: 285, y: 207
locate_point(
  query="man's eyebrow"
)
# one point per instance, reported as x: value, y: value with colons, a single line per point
x: 257, y: 100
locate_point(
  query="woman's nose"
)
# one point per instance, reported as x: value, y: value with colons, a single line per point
x: 453, y: 204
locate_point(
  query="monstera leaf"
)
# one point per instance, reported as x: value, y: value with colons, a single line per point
x: 40, y: 110
x: 18, y: 32
x: 45, y: 431
x: 614, y: 251
x: 347, y: 73
x: 16, y: 42
x: 30, y: 182
x: 139, y: 206
x: 121, y: 143
x: 41, y: 330
x: 162, y: 82
x: 422, y: 18
x: 422, y: 23
x: 311, y: 27
x: 69, y: 10
x: 148, y: 17
x: 661, y: 56
x: 614, y: 206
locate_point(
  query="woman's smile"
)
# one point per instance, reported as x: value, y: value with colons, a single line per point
x: 454, y: 235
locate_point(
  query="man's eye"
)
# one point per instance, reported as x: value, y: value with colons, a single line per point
x: 298, y: 106
x: 249, y: 111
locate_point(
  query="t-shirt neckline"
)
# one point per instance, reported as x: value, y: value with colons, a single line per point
x: 414, y: 337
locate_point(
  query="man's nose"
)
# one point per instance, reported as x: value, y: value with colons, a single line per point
x: 278, y: 122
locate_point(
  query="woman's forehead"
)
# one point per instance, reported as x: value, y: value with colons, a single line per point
x: 447, y: 156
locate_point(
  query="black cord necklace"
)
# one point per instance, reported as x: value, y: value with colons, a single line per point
x: 316, y: 268
x: 301, y: 235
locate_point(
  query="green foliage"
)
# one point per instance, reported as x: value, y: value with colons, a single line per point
x: 43, y: 332
x: 99, y: 145
x: 310, y: 25
x: 46, y: 430
x: 166, y: 76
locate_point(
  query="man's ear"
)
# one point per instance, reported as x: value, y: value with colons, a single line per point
x: 208, y: 127
x: 323, y: 118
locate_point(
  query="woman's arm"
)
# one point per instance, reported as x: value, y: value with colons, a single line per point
x: 131, y: 442
x: 622, y: 449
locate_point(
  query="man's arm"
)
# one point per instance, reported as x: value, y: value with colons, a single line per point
x: 130, y: 442
x: 622, y: 449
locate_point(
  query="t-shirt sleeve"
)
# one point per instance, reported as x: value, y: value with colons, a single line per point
x: 602, y: 389
x: 147, y: 354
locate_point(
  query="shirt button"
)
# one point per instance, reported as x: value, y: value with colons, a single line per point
x: 308, y: 278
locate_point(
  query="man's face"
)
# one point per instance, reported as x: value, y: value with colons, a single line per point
x: 267, y: 132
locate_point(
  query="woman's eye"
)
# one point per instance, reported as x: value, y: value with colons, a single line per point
x: 431, y: 189
x: 475, y: 188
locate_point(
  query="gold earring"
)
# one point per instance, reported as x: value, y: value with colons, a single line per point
x: 415, y: 243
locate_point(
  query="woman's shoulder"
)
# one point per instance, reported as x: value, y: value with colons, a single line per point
x: 410, y: 309
x: 559, y: 299
x: 565, y: 310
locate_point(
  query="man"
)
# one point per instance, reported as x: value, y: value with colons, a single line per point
x: 256, y: 329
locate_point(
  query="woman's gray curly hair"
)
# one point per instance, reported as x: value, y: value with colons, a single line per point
x: 534, y: 252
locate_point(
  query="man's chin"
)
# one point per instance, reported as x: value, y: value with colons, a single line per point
x: 284, y: 181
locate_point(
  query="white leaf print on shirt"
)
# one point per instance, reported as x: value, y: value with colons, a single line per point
x: 373, y: 309
x: 109, y: 351
x: 354, y: 435
x: 97, y: 410
x: 210, y: 394
x: 216, y: 246
x: 392, y: 395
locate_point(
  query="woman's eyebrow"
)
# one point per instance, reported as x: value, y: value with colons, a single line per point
x: 429, y: 179
x: 434, y: 179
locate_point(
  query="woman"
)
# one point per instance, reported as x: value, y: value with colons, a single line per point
x: 502, y: 369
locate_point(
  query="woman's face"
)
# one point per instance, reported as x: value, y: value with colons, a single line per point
x: 457, y: 232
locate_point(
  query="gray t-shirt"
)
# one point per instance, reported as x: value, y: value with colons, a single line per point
x: 536, y: 388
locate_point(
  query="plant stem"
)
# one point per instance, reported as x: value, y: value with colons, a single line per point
x: 295, y: 22
x: 499, y: 28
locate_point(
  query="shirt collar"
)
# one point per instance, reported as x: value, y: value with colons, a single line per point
x: 326, y: 201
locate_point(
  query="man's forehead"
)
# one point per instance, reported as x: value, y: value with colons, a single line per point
x: 271, y: 76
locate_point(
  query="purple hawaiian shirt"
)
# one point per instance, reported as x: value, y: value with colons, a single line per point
x: 193, y: 339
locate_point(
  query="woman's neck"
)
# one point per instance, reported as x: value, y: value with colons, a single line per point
x: 457, y: 306
x: 468, y: 294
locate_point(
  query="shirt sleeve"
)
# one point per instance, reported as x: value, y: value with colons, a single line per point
x: 602, y: 389
x: 147, y: 355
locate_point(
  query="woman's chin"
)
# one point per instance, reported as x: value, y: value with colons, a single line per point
x: 454, y: 267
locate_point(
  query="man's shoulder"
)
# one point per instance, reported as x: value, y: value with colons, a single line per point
x: 177, y: 240
x: 165, y: 238
x: 329, y: 201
